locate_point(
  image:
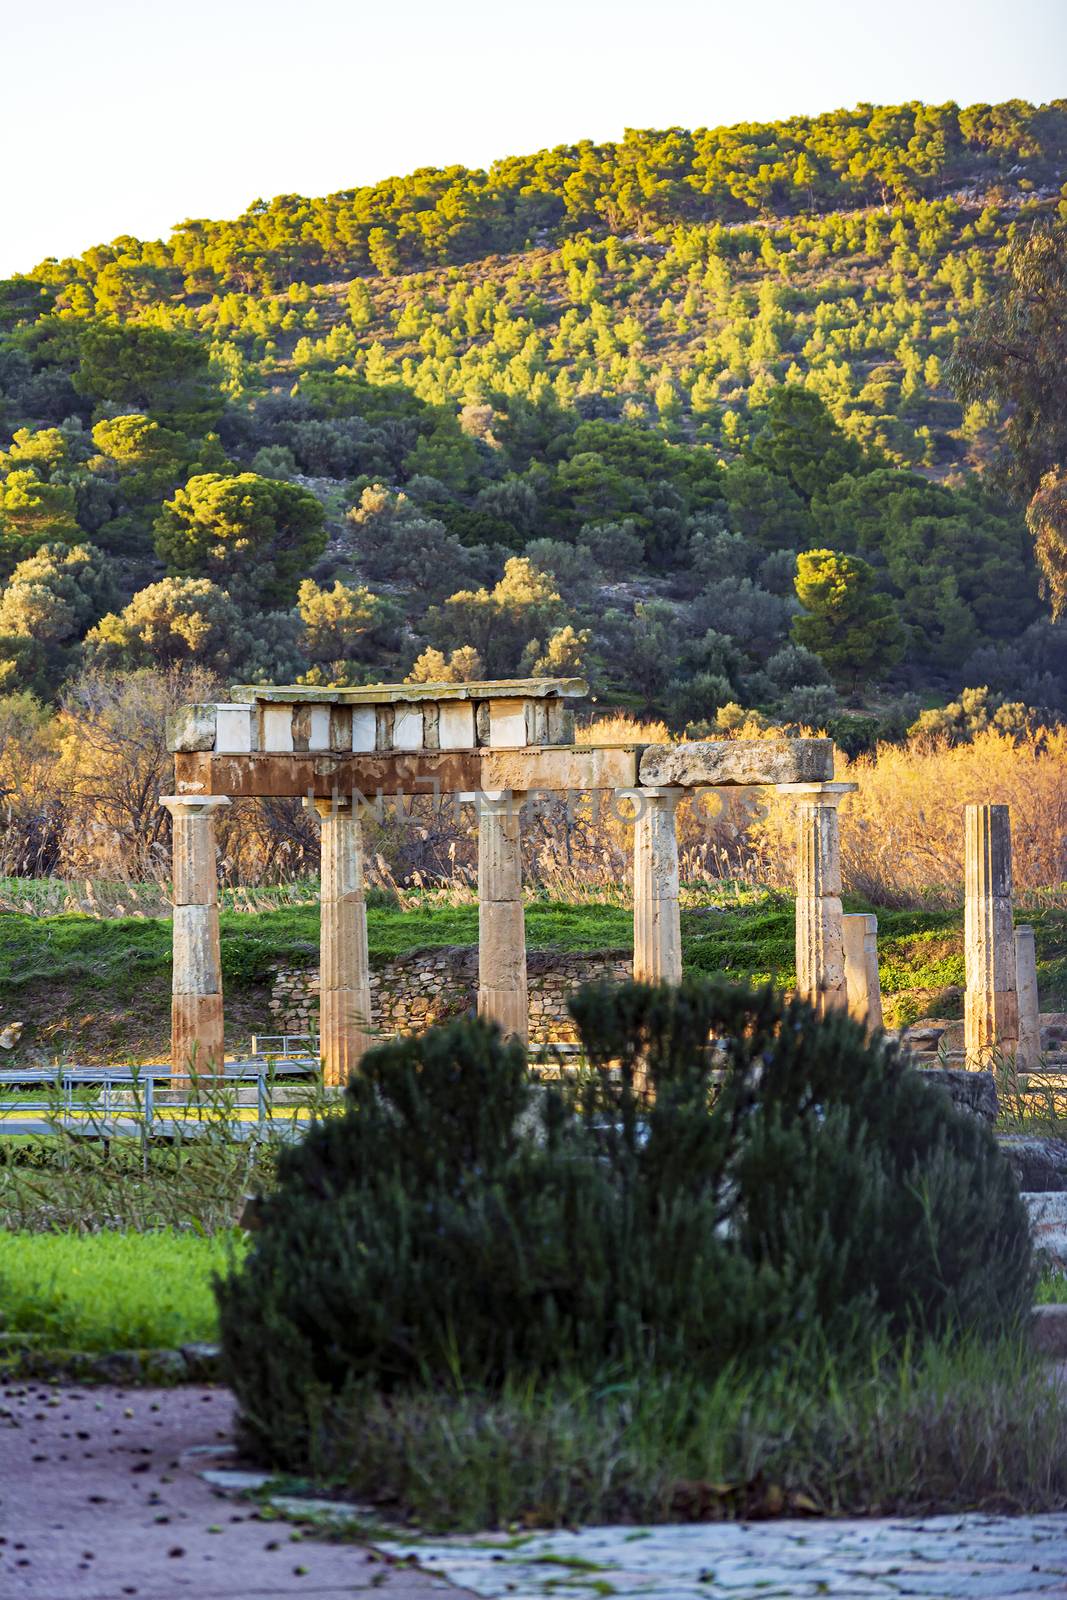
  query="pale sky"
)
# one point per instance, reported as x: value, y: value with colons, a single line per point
x: 126, y: 116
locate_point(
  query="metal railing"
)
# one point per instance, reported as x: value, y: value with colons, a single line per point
x: 141, y: 1100
x: 282, y: 1045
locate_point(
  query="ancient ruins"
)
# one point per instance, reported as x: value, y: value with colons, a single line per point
x: 492, y: 745
x: 497, y: 746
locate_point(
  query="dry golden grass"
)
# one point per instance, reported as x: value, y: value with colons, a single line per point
x: 902, y: 830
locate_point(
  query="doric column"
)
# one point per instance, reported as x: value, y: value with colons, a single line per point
x: 344, y: 963
x: 502, y: 993
x: 1029, y: 1051
x: 862, y: 984
x: 657, y: 924
x: 991, y: 1003
x: 196, y: 985
x: 820, y: 936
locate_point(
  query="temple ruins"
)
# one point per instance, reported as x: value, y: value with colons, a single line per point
x: 493, y: 746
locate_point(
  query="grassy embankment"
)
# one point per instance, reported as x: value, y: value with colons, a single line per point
x: 111, y: 1290
x: 98, y: 988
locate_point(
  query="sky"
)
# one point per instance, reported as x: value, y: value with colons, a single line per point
x: 127, y: 116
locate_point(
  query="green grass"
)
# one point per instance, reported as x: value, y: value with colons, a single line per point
x: 1052, y: 1289
x: 112, y: 1290
x: 125, y: 961
x: 946, y: 1428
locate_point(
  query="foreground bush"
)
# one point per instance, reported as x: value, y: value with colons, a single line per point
x: 782, y: 1190
x: 948, y: 1427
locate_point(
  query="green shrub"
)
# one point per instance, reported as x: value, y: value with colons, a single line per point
x: 781, y: 1187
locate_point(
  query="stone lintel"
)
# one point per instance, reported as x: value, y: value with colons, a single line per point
x: 322, y: 773
x: 414, y: 693
x: 721, y: 762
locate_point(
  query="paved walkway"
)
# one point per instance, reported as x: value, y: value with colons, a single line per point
x: 952, y: 1558
x: 101, y: 1498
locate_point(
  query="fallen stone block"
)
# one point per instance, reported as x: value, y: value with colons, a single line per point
x: 1048, y: 1227
x: 1048, y: 1331
x: 737, y: 761
x: 975, y: 1092
x: 1039, y: 1163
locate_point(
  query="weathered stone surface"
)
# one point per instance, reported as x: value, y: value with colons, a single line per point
x: 345, y: 1016
x: 1029, y: 1051
x: 1039, y: 1163
x: 233, y: 729
x: 196, y: 1035
x: 657, y: 922
x: 819, y: 930
x: 969, y: 1091
x: 990, y: 1005
x: 456, y: 725
x: 559, y: 769
x: 862, y: 983
x: 197, y: 965
x: 276, y: 728
x: 364, y: 728
x: 734, y: 761
x: 1048, y: 1331
x: 407, y: 728
x: 193, y: 853
x: 1048, y: 1226
x: 507, y: 724
x: 502, y: 984
x: 790, y: 1557
x: 415, y: 693
x: 419, y: 988
x: 203, y: 1362
x: 192, y: 728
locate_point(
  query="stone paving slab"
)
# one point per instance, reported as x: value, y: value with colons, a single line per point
x: 968, y: 1557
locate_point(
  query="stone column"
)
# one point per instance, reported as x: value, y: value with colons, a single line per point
x: 862, y: 984
x: 657, y: 925
x: 991, y: 1003
x: 196, y: 985
x: 820, y: 934
x: 1029, y: 1051
x: 502, y: 992
x: 344, y: 963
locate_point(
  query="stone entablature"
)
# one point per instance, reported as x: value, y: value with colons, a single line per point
x: 383, y: 718
x: 413, y: 991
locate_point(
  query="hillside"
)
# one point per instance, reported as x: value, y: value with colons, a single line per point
x: 582, y: 410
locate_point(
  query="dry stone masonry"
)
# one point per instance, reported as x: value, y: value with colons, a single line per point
x: 492, y: 745
x: 415, y: 990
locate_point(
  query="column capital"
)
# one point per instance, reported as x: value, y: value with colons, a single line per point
x: 654, y: 791
x: 338, y: 806
x: 193, y: 805
x: 822, y: 793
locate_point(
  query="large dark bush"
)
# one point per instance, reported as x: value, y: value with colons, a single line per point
x: 732, y: 1180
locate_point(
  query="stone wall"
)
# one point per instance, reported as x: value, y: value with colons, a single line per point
x: 413, y: 991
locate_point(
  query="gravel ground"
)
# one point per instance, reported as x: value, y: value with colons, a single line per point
x: 101, y: 1498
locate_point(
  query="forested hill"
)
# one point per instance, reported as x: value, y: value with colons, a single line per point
x: 584, y: 409
x: 651, y: 180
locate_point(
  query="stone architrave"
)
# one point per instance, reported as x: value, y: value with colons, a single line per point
x: 1029, y: 1051
x: 196, y: 986
x: 862, y: 983
x: 502, y: 987
x: 991, y: 1001
x: 820, y: 938
x: 344, y: 962
x: 657, y: 923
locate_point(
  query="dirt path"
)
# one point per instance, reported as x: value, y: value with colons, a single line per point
x: 100, y: 1498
